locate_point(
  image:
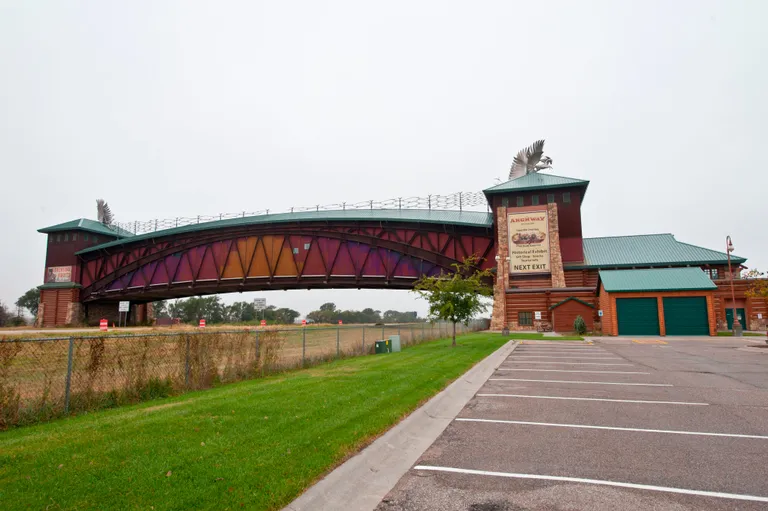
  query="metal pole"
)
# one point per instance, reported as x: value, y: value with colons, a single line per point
x: 736, y: 330
x: 257, y: 357
x: 363, y: 339
x: 382, y: 332
x: 186, y: 364
x: 68, y: 384
x: 338, y: 346
x: 303, y: 345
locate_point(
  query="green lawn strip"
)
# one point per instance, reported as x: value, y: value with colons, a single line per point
x: 745, y: 334
x: 265, y: 440
x: 536, y: 336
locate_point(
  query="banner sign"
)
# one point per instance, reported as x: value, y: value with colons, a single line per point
x: 58, y: 274
x: 528, y: 241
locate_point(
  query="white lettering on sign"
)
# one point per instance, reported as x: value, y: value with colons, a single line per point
x: 58, y: 274
x: 259, y: 303
x: 124, y: 307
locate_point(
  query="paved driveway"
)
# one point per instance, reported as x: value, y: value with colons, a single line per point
x: 678, y: 424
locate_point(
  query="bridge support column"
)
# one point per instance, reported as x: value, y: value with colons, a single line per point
x: 499, y: 314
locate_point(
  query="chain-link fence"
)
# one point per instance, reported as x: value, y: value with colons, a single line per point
x: 43, y: 378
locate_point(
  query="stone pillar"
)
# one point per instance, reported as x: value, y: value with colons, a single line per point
x: 499, y: 314
x: 555, y: 254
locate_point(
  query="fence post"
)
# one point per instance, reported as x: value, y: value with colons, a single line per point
x: 338, y: 348
x: 398, y: 330
x: 382, y: 332
x: 363, y: 339
x: 422, y: 331
x: 303, y: 345
x: 186, y: 364
x: 68, y: 386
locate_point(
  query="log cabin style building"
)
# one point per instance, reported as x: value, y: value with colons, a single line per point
x: 653, y: 284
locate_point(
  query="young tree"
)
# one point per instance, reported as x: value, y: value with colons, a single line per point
x: 30, y: 300
x: 456, y: 297
x: 758, y: 288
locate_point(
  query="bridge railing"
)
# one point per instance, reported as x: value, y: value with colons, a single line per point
x: 47, y: 377
x: 460, y: 200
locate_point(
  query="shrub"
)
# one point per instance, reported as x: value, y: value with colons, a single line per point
x: 579, y: 326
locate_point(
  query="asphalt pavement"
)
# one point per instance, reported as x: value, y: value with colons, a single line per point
x: 618, y: 424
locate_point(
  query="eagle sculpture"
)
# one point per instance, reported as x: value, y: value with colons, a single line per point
x: 530, y: 160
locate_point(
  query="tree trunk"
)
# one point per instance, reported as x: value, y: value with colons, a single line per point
x: 454, y: 335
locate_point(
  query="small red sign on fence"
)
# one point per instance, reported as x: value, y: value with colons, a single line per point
x: 303, y: 322
x: 339, y: 321
x: 103, y: 325
x: 202, y: 323
x: 263, y: 322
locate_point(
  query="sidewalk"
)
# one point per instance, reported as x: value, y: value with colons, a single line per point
x: 362, y: 481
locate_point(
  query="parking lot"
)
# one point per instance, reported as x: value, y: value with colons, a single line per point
x: 618, y: 424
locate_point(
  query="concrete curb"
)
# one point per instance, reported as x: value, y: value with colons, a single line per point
x: 362, y: 481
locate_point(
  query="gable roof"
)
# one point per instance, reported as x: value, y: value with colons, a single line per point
x: 648, y: 250
x: 535, y: 181
x: 558, y: 304
x: 433, y: 216
x: 659, y: 279
x: 85, y: 224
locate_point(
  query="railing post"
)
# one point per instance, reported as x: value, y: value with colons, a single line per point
x: 68, y: 385
x: 338, y: 345
x: 303, y: 345
x: 186, y: 364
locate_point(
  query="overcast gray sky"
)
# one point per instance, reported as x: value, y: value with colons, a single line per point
x: 182, y: 108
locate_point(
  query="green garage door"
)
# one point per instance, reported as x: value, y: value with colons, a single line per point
x: 637, y: 316
x: 686, y: 315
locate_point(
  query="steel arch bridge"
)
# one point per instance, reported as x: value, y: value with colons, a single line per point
x: 366, y: 249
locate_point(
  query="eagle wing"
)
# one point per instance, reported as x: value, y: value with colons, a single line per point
x: 534, y: 154
x: 519, y: 165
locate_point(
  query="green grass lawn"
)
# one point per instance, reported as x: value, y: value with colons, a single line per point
x: 535, y: 336
x: 745, y: 334
x: 253, y: 445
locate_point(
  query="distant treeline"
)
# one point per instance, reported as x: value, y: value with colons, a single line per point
x: 190, y: 310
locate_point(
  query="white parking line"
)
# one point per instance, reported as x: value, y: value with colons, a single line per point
x: 566, y: 363
x: 587, y: 357
x: 596, y: 399
x: 612, y: 428
x: 569, y: 371
x: 684, y: 491
x: 587, y: 382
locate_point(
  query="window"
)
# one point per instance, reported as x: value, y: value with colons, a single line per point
x: 66, y: 236
x: 50, y: 238
x: 525, y: 318
x: 85, y: 237
x: 535, y: 200
x: 566, y: 197
x: 58, y: 238
x: 712, y: 273
x: 520, y: 202
x: 95, y: 239
x: 306, y: 246
x: 295, y: 250
x: 74, y: 236
x: 505, y: 201
x: 550, y: 198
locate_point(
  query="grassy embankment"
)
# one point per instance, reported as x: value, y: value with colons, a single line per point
x: 253, y: 445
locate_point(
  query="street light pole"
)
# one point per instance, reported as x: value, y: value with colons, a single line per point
x: 736, y: 323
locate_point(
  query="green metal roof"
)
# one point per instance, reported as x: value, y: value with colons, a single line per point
x: 59, y: 285
x: 660, y: 279
x: 434, y: 216
x: 535, y: 181
x: 647, y: 250
x: 84, y: 224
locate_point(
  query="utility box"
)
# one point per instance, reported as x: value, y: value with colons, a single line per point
x: 394, y: 342
x: 383, y: 347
